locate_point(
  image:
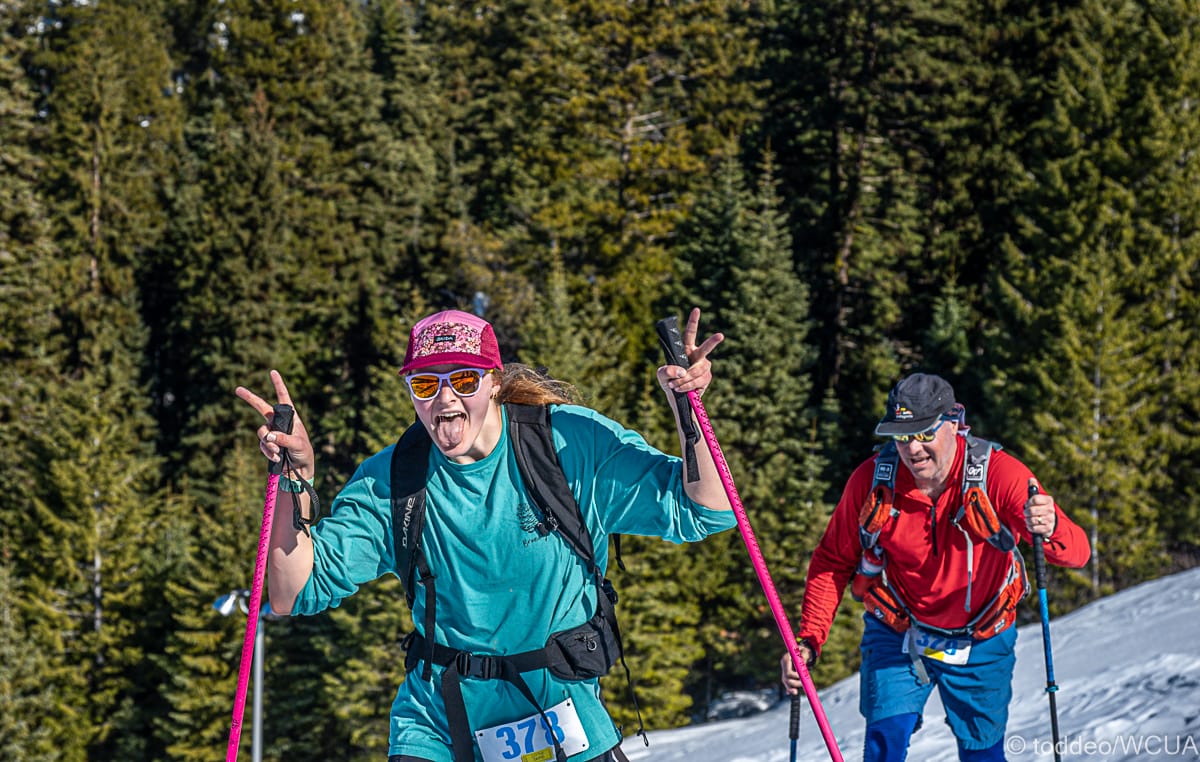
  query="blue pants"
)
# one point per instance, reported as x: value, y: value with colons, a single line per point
x: 976, y: 694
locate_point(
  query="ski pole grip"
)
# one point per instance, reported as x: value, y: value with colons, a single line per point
x: 281, y: 420
x: 672, y: 344
x: 672, y: 341
x: 1039, y: 553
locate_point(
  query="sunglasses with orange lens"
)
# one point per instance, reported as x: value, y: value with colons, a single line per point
x: 465, y: 382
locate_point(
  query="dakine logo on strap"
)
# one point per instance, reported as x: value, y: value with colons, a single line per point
x: 408, y: 509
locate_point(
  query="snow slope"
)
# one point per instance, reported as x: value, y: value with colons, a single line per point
x: 1127, y: 667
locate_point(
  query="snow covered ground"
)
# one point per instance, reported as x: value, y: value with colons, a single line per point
x: 1127, y: 667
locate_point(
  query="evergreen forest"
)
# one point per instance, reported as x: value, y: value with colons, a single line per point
x: 193, y: 192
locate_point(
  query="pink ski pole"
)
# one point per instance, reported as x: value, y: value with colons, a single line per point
x: 281, y: 420
x: 668, y: 334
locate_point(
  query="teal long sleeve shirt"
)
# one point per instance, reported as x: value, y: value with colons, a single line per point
x: 502, y: 587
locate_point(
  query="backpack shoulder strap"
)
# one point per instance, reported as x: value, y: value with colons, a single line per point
x: 533, y: 444
x: 409, y: 472
x: 885, y: 465
x: 979, y: 454
x: 977, y: 515
x: 879, y: 508
x: 409, y: 467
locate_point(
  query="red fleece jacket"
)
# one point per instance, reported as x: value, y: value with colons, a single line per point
x: 933, y: 585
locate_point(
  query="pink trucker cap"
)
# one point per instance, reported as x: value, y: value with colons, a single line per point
x: 451, y: 337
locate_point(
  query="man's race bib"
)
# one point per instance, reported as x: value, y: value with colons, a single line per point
x: 947, y: 650
x: 532, y: 739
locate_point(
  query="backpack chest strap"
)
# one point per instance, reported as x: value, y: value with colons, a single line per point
x: 580, y: 653
x: 463, y: 664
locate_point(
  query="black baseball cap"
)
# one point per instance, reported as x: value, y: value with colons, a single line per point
x: 915, y: 404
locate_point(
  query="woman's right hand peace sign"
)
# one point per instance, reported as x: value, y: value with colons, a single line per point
x: 272, y: 443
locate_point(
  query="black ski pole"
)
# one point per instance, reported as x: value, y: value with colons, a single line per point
x: 794, y: 724
x: 1039, y: 565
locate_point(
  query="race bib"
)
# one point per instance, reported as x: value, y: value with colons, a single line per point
x: 532, y: 739
x: 946, y: 650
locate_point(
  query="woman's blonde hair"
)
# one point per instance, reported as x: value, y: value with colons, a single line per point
x: 523, y: 385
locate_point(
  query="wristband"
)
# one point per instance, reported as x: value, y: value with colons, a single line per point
x: 287, y: 484
x: 813, y: 653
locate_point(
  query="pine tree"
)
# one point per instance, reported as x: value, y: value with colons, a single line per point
x: 583, y: 129
x: 576, y: 346
x: 1166, y: 74
x: 286, y: 190
x: 739, y: 248
x: 872, y: 112
x: 25, y: 697
x: 203, y: 652
x: 413, y: 112
x: 665, y: 89
x: 298, y: 172
x: 31, y: 348
x: 1088, y: 396
x: 658, y: 615
x: 30, y: 340
x: 107, y: 139
x: 468, y: 112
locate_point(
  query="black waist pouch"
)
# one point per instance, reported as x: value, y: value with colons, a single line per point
x: 583, y: 652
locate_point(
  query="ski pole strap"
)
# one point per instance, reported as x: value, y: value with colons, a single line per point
x: 282, y: 420
x: 294, y: 486
x: 672, y: 344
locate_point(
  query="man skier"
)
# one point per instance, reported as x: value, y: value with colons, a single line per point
x: 928, y: 530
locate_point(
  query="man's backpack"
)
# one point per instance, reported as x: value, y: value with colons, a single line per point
x: 976, y: 518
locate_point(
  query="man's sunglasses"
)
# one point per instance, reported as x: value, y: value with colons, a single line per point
x: 465, y: 382
x: 923, y: 437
